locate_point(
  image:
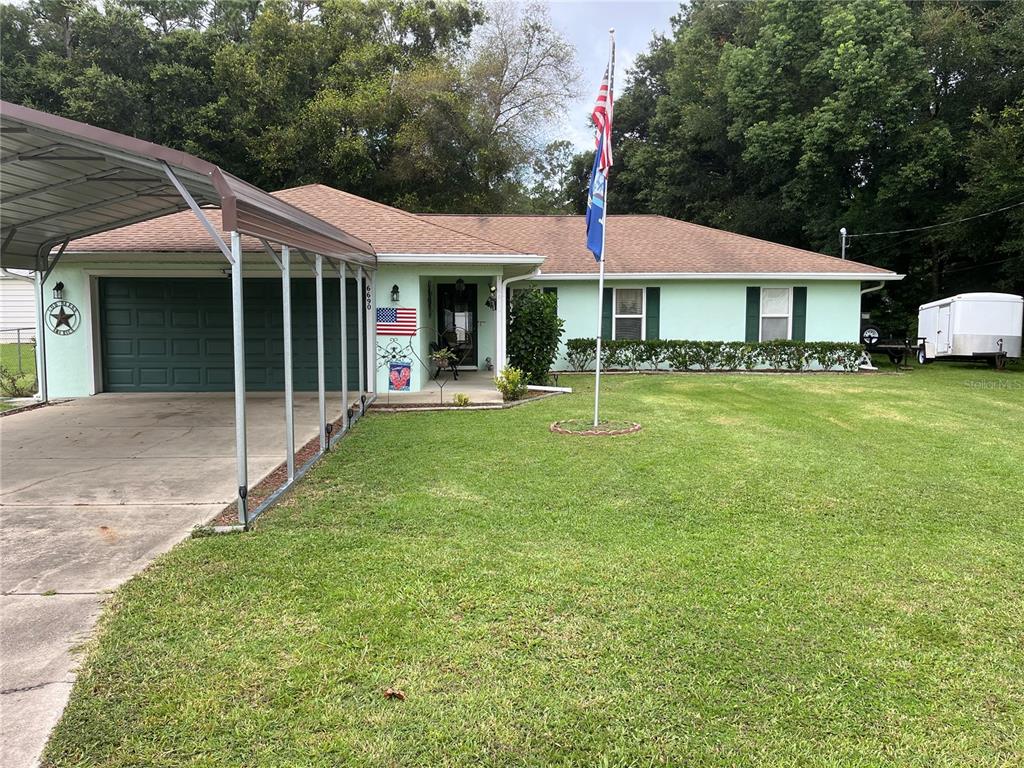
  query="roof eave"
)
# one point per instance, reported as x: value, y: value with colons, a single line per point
x: 850, y: 276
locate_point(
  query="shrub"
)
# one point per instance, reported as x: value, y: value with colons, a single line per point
x: 14, y: 384
x: 511, y: 382
x: 461, y: 399
x: 580, y: 353
x: 534, y: 332
x: 683, y: 355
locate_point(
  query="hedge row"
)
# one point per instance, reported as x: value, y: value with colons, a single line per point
x: 678, y: 355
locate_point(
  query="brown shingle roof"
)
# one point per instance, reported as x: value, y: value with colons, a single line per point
x: 636, y: 243
x: 387, y: 229
x: 647, y: 244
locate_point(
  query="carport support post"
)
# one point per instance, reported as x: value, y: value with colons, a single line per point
x: 238, y: 333
x: 319, y: 270
x: 361, y: 325
x: 42, y: 392
x: 289, y: 388
x: 343, y: 274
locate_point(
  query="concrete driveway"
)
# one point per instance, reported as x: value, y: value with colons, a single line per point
x: 92, y: 490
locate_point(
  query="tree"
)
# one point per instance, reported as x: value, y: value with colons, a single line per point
x: 787, y: 120
x: 385, y: 98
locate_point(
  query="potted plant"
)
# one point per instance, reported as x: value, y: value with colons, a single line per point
x: 442, y: 358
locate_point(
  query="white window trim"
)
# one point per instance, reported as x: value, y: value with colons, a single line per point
x: 642, y: 315
x: 789, y: 312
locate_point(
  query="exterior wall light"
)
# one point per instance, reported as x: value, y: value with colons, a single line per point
x: 394, y: 293
x: 460, y: 286
x: 492, y: 298
x: 58, y: 291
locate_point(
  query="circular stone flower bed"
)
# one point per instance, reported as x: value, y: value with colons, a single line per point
x: 586, y: 427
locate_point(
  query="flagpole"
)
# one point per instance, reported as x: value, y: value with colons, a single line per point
x: 604, y: 232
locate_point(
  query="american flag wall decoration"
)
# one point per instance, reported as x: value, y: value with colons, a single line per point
x: 396, y: 321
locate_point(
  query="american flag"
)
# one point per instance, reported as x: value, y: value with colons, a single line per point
x: 602, y: 117
x: 396, y: 322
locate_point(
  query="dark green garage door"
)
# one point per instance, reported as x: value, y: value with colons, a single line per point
x: 174, y: 335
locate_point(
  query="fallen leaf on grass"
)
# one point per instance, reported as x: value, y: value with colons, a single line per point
x: 394, y: 693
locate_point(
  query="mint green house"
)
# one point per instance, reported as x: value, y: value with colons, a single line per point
x: 153, y: 308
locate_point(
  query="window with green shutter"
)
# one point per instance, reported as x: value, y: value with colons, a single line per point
x: 606, y: 313
x: 753, y: 328
x: 799, y: 313
x: 652, y: 328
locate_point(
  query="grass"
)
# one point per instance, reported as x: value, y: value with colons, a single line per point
x: 9, y: 361
x: 778, y: 570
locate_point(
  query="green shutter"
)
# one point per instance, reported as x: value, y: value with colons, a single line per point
x: 606, y: 314
x: 753, y: 313
x: 653, y: 313
x: 799, y: 313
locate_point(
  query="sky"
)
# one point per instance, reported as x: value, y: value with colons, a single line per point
x: 585, y: 23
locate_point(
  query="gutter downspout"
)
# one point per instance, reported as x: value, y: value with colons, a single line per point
x: 502, y: 354
x: 872, y: 289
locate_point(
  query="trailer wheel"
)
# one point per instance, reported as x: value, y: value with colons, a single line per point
x: 922, y: 358
x: 870, y: 335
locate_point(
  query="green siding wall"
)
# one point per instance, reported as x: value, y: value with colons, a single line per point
x: 715, y: 310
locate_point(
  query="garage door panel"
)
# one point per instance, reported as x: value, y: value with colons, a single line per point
x: 185, y: 347
x: 117, y: 317
x: 154, y: 377
x: 220, y: 379
x: 153, y: 347
x: 187, y: 378
x: 183, y: 318
x: 150, y: 318
x: 184, y: 342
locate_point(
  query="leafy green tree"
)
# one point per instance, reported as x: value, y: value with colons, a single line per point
x: 787, y: 120
x: 384, y: 98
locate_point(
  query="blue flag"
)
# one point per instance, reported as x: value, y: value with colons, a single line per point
x: 595, y: 205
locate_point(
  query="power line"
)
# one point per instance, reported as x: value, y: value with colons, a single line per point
x: 936, y: 226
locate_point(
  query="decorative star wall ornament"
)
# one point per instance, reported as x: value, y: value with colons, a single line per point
x: 63, y: 318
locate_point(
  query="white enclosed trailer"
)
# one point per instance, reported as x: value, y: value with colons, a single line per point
x: 971, y: 326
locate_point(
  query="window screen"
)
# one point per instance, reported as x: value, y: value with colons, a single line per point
x: 775, y: 313
x: 629, y: 313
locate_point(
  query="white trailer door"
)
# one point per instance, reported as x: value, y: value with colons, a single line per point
x: 943, y: 338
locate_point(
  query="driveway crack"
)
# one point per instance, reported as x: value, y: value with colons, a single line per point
x: 35, y: 687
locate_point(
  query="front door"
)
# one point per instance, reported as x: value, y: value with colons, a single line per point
x: 456, y: 319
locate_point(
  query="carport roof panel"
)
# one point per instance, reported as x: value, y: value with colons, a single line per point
x: 62, y: 179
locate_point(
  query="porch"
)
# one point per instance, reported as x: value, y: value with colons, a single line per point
x: 478, y: 386
x: 456, y: 305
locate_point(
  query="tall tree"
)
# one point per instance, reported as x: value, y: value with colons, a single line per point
x: 786, y: 120
x: 384, y: 98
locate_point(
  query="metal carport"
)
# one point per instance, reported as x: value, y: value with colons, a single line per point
x: 61, y: 180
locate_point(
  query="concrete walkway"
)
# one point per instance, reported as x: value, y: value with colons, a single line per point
x: 92, y: 490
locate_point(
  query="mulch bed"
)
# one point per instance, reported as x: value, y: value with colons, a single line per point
x: 381, y: 404
x: 586, y: 428
x: 259, y: 492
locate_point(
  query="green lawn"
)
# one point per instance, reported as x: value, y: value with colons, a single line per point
x: 814, y: 570
x: 9, y: 361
